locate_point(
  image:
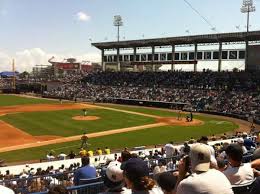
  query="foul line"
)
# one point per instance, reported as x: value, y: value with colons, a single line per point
x: 78, y: 137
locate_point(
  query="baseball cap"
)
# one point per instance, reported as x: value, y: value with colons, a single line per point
x: 240, y: 140
x: 114, y: 175
x: 135, y: 168
x: 114, y: 172
x: 200, y: 157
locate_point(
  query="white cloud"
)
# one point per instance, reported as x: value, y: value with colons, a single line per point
x: 81, y: 16
x: 28, y: 58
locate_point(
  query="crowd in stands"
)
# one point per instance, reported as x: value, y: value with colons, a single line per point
x: 226, y: 92
x: 5, y: 83
x: 194, y: 167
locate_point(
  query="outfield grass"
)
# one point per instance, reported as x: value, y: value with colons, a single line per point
x: 60, y: 123
x: 11, y: 100
x: 159, y: 135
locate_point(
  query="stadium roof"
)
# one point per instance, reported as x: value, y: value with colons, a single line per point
x: 182, y: 40
x: 8, y: 74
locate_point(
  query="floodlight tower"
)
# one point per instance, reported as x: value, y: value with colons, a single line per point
x: 118, y: 23
x: 247, y: 7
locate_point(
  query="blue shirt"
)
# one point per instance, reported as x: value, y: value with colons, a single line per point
x: 248, y: 143
x: 85, y: 172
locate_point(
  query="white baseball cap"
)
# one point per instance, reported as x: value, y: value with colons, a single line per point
x: 200, y: 157
x: 240, y: 140
x: 114, y: 172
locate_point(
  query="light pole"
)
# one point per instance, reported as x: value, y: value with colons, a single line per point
x: 118, y: 22
x: 247, y: 7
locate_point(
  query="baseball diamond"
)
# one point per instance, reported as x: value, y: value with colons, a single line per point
x: 48, y: 126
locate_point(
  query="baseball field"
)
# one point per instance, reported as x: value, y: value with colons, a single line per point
x: 31, y: 127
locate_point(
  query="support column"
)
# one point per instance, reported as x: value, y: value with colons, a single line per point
x: 134, y: 60
x: 195, y: 56
x: 102, y: 60
x: 173, y: 58
x: 153, y: 66
x: 118, y: 61
x: 246, y: 56
x: 219, y: 56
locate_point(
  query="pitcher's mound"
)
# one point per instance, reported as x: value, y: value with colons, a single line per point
x: 183, y: 122
x: 85, y: 118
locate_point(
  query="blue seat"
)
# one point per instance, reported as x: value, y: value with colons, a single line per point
x: 88, y: 181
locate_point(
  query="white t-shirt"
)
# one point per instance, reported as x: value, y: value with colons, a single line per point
x: 240, y: 175
x: 210, y: 182
x: 5, y: 190
x: 62, y: 156
x: 169, y: 150
x: 244, y: 150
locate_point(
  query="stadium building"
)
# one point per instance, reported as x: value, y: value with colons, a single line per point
x: 137, y: 60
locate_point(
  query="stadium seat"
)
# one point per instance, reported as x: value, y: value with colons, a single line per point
x: 243, y: 189
x: 88, y: 181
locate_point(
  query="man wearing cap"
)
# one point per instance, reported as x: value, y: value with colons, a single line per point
x: 240, y: 141
x: 113, y: 179
x: 203, y: 179
x: 169, y: 150
x: 213, y: 161
x: 238, y: 173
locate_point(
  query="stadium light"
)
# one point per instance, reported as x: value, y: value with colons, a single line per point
x: 248, y: 7
x: 118, y: 22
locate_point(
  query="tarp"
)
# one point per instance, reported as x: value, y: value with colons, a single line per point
x: 8, y: 74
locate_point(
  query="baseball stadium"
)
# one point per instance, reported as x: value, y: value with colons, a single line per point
x: 137, y: 121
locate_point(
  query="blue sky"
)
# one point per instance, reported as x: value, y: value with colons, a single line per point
x: 53, y: 27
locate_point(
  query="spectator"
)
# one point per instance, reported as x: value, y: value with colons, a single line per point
x: 203, y: 179
x: 58, y: 189
x: 167, y: 182
x: 125, y: 155
x: 50, y: 156
x: 237, y: 172
x: 185, y: 150
x: 240, y: 142
x: 256, y: 165
x: 107, y: 150
x: 82, y: 152
x: 85, y: 172
x: 249, y: 144
x: 213, y: 161
x: 5, y: 190
x: 160, y: 168
x: 62, y: 156
x: 113, y: 179
x: 71, y: 155
x: 169, y: 150
x: 136, y: 176
x: 99, y: 151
